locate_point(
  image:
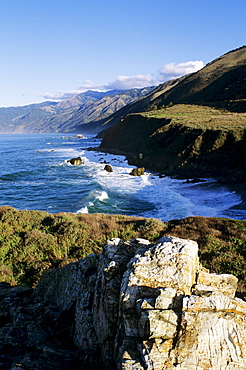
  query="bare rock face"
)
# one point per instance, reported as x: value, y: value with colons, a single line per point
x: 137, y: 306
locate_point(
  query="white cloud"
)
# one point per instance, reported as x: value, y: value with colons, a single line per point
x: 61, y: 95
x: 168, y: 72
x: 129, y: 82
x: 174, y: 70
x: 87, y: 85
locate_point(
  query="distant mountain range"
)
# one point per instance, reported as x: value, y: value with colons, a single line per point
x: 69, y: 115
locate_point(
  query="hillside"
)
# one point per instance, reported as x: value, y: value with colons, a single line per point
x: 10, y: 115
x: 69, y: 115
x: 172, y: 296
x: 190, y: 140
x: 221, y: 84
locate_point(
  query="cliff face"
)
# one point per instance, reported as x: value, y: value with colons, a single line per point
x: 137, y: 306
x: 178, y: 141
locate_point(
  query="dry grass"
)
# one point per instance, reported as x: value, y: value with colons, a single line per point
x: 197, y: 116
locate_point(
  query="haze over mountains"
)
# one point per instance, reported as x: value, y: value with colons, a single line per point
x: 67, y: 115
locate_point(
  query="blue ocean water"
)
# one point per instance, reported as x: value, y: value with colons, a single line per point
x: 34, y: 174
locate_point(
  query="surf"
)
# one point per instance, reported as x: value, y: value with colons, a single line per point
x: 34, y: 174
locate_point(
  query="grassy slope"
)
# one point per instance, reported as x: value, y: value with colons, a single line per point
x: 33, y: 241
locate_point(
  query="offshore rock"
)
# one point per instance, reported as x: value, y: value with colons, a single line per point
x: 108, y: 168
x: 137, y: 306
x: 75, y: 161
x: 137, y: 171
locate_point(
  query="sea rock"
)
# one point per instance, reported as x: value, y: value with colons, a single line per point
x: 108, y: 168
x: 75, y: 161
x: 137, y: 171
x: 136, y: 306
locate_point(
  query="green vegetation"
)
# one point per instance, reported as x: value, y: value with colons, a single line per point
x: 188, y: 141
x: 33, y: 241
x: 200, y: 117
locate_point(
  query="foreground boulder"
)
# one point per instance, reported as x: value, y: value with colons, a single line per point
x: 137, y: 306
x: 75, y: 161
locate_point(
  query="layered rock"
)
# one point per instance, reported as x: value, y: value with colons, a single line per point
x: 137, y: 306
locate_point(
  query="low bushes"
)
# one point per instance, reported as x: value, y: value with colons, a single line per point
x: 33, y: 241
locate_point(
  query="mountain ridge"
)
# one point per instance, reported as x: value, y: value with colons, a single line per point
x: 58, y: 117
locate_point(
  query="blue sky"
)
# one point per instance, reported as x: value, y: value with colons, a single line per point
x: 52, y: 49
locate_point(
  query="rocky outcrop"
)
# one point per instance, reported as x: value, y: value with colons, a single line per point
x: 75, y: 161
x: 137, y: 306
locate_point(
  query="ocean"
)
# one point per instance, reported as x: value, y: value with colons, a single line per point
x: 34, y: 174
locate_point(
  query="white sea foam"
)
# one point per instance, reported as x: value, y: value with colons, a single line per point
x: 97, y: 194
x: 94, y: 195
x: 163, y: 198
x: 83, y: 210
x: 46, y: 180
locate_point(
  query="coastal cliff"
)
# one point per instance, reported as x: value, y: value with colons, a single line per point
x: 183, y: 140
x: 136, y: 306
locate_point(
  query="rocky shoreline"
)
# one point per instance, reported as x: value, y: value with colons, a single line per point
x: 229, y: 181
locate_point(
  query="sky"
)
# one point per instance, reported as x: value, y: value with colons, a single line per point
x: 53, y: 49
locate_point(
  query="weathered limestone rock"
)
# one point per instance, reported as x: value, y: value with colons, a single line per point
x: 108, y: 168
x: 75, y: 161
x: 213, y: 333
x: 137, y: 171
x: 177, y: 316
